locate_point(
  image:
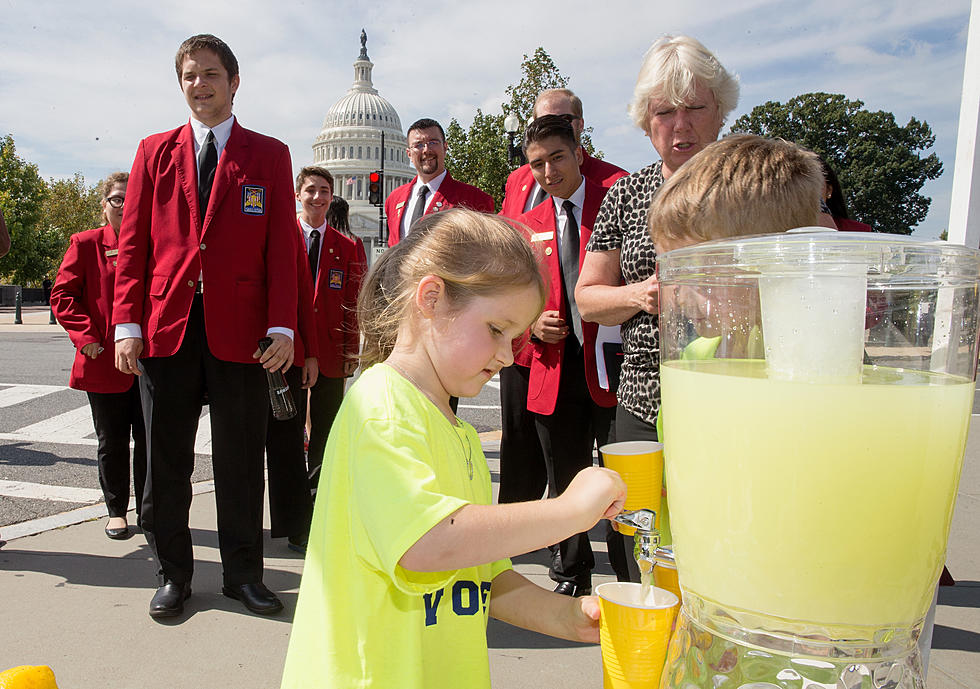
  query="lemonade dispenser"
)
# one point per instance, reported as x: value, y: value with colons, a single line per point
x: 812, y: 457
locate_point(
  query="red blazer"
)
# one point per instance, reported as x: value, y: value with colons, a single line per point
x: 521, y: 182
x: 451, y: 194
x: 81, y: 300
x: 245, y: 249
x: 305, y: 340
x: 341, y: 269
x: 542, y: 395
x: 848, y: 225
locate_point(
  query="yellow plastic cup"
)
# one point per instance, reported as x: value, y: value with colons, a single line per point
x: 633, y: 633
x: 665, y: 571
x: 641, y: 465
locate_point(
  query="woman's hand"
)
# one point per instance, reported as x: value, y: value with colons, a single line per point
x: 91, y: 350
x: 645, y: 295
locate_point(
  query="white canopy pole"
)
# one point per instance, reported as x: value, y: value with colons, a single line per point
x: 964, y: 212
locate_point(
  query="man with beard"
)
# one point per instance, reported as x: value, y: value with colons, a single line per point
x: 433, y: 189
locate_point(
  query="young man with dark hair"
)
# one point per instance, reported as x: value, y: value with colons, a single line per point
x: 571, y: 412
x: 522, y: 468
x: 433, y: 189
x: 337, y: 267
x: 206, y: 268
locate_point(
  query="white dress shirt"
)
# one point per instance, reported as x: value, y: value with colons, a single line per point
x: 409, y: 213
x: 307, y: 228
x: 561, y: 220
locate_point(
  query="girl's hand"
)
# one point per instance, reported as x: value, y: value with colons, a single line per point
x: 595, y: 493
x: 583, y: 619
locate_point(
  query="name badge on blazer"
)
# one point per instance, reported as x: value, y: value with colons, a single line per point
x: 112, y: 252
x: 542, y: 236
x: 253, y: 199
x: 336, y: 279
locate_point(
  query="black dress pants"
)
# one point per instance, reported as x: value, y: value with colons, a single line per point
x: 117, y: 416
x: 523, y: 475
x: 325, y: 398
x: 568, y: 437
x: 172, y: 389
x: 290, y: 502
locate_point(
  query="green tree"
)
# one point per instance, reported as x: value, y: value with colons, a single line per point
x: 880, y: 165
x: 71, y: 206
x: 33, y: 250
x: 538, y: 73
x: 478, y: 156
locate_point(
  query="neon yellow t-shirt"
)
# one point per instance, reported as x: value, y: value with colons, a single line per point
x: 394, y: 467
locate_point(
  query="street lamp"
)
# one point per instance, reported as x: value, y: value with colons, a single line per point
x: 515, y: 155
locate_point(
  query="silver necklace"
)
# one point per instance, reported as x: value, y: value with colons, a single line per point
x: 465, y: 447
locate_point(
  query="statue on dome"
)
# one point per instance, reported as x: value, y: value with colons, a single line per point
x: 363, y: 55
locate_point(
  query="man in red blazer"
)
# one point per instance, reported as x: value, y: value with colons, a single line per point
x: 522, y: 468
x: 522, y: 192
x: 338, y: 267
x: 433, y: 189
x: 572, y: 412
x: 207, y: 267
x: 290, y: 500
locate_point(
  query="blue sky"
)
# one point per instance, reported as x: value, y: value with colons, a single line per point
x: 81, y: 82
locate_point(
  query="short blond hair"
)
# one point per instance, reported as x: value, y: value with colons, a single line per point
x: 742, y: 185
x: 671, y: 71
x: 475, y: 254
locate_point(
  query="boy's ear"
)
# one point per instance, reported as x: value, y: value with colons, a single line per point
x: 427, y: 295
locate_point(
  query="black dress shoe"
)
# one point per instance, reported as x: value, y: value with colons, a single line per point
x: 256, y: 597
x: 298, y: 544
x: 119, y: 534
x: 569, y: 588
x: 169, y: 599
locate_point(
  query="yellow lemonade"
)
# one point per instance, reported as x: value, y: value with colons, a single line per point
x: 826, y: 503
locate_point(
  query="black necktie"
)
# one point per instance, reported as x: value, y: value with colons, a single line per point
x: 419, y: 210
x: 314, y: 253
x: 539, y: 196
x: 207, y: 163
x: 569, y: 266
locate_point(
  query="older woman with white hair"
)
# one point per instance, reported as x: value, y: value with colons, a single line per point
x: 682, y: 97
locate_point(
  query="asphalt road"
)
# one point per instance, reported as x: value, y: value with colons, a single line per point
x: 47, y: 441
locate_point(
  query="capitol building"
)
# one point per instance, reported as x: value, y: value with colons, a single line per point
x: 355, y: 131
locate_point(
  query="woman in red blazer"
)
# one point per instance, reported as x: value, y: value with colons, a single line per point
x: 81, y: 300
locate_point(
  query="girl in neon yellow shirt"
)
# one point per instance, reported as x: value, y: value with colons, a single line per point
x: 407, y: 557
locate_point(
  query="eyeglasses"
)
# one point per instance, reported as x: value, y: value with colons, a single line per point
x: 422, y: 145
x: 115, y: 201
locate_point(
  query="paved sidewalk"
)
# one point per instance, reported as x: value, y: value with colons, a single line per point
x: 36, y: 318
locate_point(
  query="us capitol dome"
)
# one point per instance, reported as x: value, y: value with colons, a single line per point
x: 350, y: 143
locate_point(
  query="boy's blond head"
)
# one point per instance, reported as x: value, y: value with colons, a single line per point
x: 741, y: 185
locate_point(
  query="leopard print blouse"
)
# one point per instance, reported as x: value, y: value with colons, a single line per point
x: 622, y: 224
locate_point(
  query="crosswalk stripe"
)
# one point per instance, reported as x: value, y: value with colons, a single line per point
x: 24, y: 393
x: 71, y: 425
x: 41, y: 491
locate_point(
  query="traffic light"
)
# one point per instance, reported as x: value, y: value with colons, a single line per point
x: 375, y: 183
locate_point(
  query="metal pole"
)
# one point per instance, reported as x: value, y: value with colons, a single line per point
x: 964, y: 215
x: 18, y: 302
x: 382, y: 234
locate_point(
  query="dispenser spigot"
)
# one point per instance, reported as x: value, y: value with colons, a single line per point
x: 646, y: 537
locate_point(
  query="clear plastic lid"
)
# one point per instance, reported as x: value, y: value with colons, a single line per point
x: 886, y: 259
